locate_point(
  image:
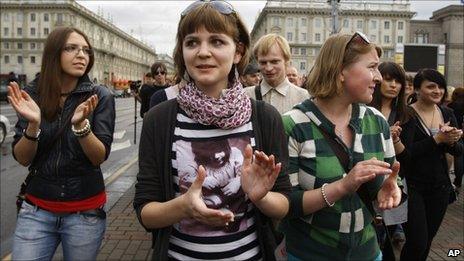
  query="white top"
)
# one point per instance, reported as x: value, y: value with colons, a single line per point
x: 283, y: 97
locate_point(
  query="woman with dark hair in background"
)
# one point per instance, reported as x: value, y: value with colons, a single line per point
x: 421, y: 149
x: 457, y: 104
x: 201, y: 201
x: 64, y: 132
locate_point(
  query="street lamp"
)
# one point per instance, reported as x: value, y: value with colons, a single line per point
x: 334, y: 13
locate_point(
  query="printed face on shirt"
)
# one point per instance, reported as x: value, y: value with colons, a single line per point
x: 272, y: 66
x: 74, y: 57
x: 209, y: 58
x: 430, y: 92
x: 390, y: 87
x: 359, y: 78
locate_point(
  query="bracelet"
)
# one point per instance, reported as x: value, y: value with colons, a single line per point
x: 82, y: 132
x: 32, y: 138
x: 325, y: 196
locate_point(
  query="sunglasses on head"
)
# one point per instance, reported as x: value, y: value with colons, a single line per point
x: 221, y: 6
x: 358, y: 37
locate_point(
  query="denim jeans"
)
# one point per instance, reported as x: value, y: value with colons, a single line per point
x: 39, y: 232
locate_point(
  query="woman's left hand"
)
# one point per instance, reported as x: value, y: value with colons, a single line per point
x: 84, y: 109
x: 258, y: 174
x: 389, y: 195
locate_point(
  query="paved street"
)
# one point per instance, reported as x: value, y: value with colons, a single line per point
x: 12, y: 174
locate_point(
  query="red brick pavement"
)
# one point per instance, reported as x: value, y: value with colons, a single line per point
x: 126, y: 239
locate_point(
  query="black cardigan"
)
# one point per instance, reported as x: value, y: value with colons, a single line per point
x: 154, y: 180
x: 423, y: 159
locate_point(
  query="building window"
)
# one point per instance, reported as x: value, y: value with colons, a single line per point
x: 290, y: 37
x: 318, y: 22
x: 400, y: 25
x: 400, y: 39
x: 6, y: 31
x: 275, y: 21
x: 33, y: 17
x: 20, y: 46
x: 6, y: 17
x: 59, y: 18
x: 421, y: 38
x: 303, y: 51
x: 20, y: 59
x: 373, y: 24
x: 303, y: 37
x: 19, y: 17
x: 346, y: 23
x: 304, y: 21
x: 373, y: 37
x: 32, y: 31
x: 289, y: 21
x: 6, y: 58
x: 6, y: 45
x: 359, y: 24
x: 46, y: 31
x: 386, y: 39
x: 294, y: 51
x: 46, y: 18
x: 302, y: 66
x: 317, y: 37
x: 386, y: 25
x: 19, y: 31
x: 32, y: 59
x: 32, y: 46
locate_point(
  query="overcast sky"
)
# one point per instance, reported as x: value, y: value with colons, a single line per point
x: 155, y: 22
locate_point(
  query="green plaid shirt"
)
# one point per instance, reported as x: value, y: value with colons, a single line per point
x: 344, y: 231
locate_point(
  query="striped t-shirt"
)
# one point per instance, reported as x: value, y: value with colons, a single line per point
x: 220, y: 153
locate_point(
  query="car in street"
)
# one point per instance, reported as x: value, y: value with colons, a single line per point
x: 3, y: 92
x: 4, y: 128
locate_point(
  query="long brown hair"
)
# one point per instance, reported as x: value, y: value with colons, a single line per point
x: 50, y: 80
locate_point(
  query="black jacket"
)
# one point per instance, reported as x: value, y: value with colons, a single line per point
x: 154, y: 180
x: 423, y: 159
x: 66, y: 174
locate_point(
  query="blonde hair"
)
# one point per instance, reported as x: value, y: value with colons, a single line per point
x: 265, y: 43
x: 335, y: 55
x: 206, y: 16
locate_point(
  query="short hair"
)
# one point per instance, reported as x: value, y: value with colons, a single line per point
x: 264, y: 44
x: 156, y: 66
x: 148, y: 74
x: 431, y: 75
x: 458, y: 95
x: 213, y: 21
x: 409, y: 78
x: 335, y: 55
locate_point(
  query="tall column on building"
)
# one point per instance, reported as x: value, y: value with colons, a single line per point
x: 334, y: 4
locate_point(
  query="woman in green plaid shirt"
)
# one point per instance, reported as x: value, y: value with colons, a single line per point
x: 327, y: 218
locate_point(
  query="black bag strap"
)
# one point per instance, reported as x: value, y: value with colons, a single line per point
x: 258, y: 95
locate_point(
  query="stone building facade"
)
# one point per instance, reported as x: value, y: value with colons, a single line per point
x: 25, y: 25
x: 306, y: 24
x: 444, y: 27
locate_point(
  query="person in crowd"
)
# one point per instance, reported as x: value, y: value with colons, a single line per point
x: 273, y: 55
x: 293, y: 76
x: 64, y: 133
x: 251, y: 75
x: 409, y: 90
x: 184, y: 187
x: 328, y: 217
x: 457, y: 104
x: 158, y: 72
x: 421, y: 147
x: 389, y: 99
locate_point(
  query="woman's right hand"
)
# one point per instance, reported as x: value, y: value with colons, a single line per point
x: 363, y: 172
x: 197, y: 209
x: 23, y: 104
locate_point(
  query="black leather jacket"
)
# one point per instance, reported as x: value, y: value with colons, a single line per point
x: 66, y: 174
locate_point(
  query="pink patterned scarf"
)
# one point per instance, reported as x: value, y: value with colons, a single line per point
x: 231, y: 110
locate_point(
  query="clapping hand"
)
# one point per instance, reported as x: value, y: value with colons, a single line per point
x: 389, y: 195
x: 447, y: 134
x: 84, y: 109
x: 258, y: 174
x: 23, y: 104
x: 197, y: 209
x: 363, y: 172
x: 395, y: 131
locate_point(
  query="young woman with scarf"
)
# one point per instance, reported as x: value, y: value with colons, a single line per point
x: 212, y: 48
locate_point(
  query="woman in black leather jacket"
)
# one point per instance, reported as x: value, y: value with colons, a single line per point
x: 64, y: 132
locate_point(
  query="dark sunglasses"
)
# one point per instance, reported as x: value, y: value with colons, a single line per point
x: 160, y: 73
x: 358, y: 37
x: 221, y: 6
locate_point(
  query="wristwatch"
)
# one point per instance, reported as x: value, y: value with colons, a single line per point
x: 36, y: 138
